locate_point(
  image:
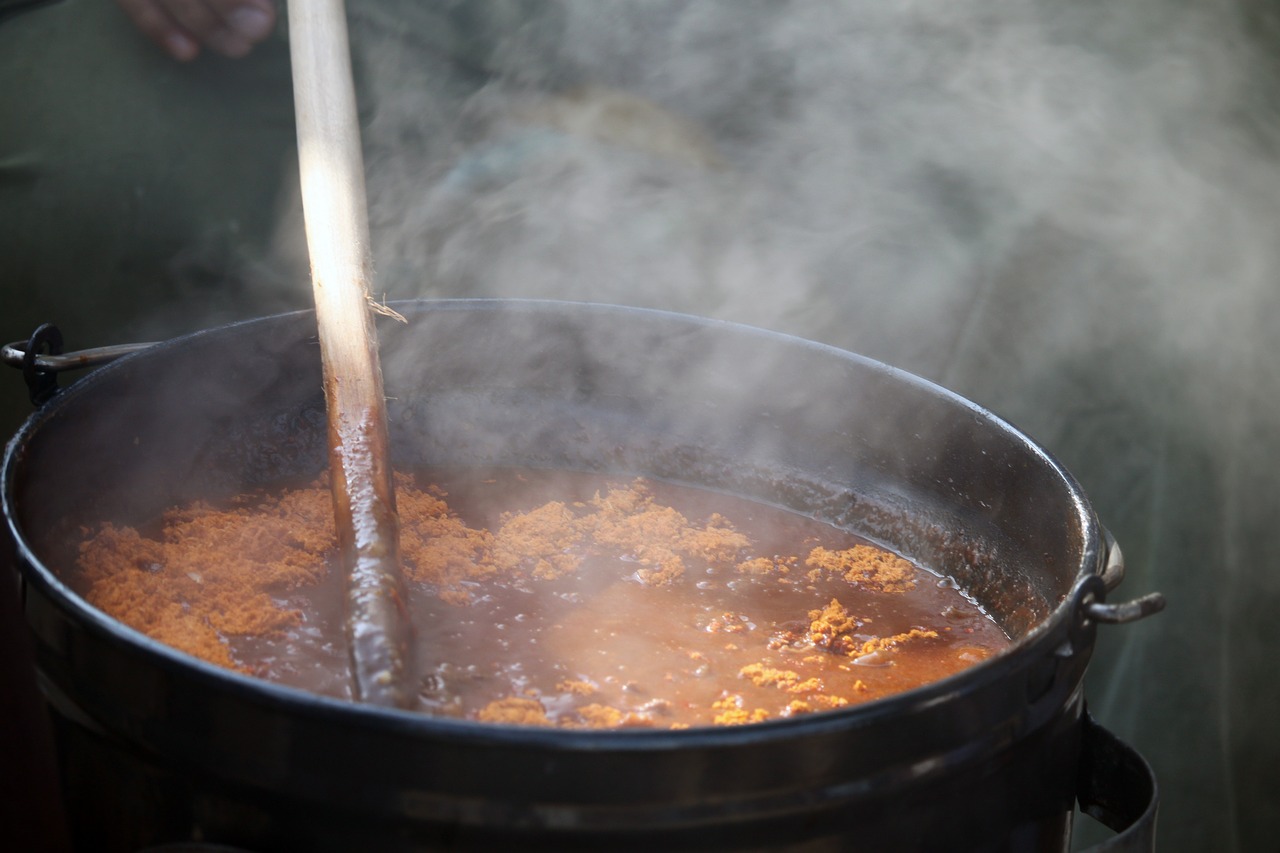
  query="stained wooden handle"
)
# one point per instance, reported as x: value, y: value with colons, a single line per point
x: 334, y: 208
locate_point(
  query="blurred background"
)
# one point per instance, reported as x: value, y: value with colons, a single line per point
x: 1065, y: 210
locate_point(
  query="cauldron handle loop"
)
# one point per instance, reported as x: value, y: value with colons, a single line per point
x: 1112, y: 575
x: 1113, y: 570
x: 41, y: 385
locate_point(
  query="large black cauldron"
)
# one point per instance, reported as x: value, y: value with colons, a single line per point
x: 157, y: 747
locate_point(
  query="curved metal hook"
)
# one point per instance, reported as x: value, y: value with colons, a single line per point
x: 1128, y: 611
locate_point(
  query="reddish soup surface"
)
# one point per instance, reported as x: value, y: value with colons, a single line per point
x: 554, y: 599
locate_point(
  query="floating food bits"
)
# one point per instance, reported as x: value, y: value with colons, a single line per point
x: 553, y: 599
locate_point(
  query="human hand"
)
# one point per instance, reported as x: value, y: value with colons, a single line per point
x: 182, y: 27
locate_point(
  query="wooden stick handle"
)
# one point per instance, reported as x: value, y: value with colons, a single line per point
x: 334, y: 208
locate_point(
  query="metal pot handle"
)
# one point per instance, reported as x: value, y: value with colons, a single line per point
x: 1112, y: 575
x: 1117, y: 788
x: 41, y: 371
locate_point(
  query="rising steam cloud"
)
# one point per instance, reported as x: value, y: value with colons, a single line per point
x: 853, y: 172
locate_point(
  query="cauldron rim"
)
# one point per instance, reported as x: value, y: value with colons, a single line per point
x: 1038, y: 640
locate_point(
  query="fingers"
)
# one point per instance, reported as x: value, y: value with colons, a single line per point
x: 182, y: 27
x: 152, y: 20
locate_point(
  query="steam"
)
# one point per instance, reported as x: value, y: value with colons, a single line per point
x: 1065, y: 211
x: 853, y: 174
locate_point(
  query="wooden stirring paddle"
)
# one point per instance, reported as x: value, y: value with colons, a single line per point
x: 334, y: 208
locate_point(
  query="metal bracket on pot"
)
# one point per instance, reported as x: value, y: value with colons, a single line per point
x: 41, y: 385
x: 1117, y: 788
x: 1129, y: 611
x: 41, y: 371
x: 1112, y: 575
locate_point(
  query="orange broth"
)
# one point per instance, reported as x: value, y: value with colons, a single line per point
x: 554, y: 599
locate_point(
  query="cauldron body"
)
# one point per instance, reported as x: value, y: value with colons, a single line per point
x: 156, y: 746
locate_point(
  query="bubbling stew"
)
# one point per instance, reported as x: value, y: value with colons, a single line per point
x: 553, y: 599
